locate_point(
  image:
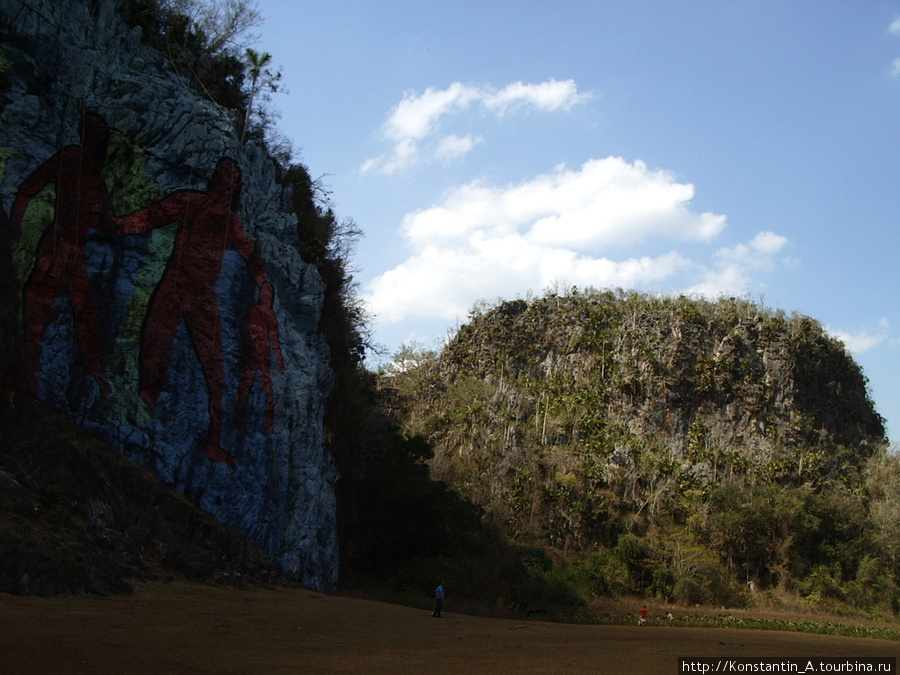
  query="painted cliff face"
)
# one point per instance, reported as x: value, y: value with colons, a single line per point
x: 203, y: 226
x: 167, y: 307
x: 80, y: 204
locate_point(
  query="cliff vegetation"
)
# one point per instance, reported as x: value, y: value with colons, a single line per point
x: 387, y: 507
x: 696, y: 451
x: 586, y: 443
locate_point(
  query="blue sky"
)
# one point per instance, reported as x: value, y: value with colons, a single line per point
x: 495, y: 149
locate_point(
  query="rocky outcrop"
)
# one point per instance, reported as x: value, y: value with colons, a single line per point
x: 563, y: 414
x: 166, y: 307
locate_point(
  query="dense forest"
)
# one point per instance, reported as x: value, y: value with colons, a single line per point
x: 584, y: 443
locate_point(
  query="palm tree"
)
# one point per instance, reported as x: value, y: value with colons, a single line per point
x: 260, y: 78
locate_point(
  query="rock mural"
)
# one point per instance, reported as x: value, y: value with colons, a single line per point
x: 166, y: 307
x: 81, y: 204
x: 207, y: 226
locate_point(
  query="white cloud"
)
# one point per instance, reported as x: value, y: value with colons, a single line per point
x: 486, y: 241
x: 416, y: 119
x: 895, y: 68
x: 767, y: 243
x: 606, y: 203
x: 863, y: 341
x: 452, y: 146
x: 549, y: 96
x: 733, y: 269
x: 611, y: 203
x: 894, y: 29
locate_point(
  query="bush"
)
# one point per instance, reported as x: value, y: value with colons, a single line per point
x: 603, y: 571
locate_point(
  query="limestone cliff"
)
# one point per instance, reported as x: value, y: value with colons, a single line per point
x: 573, y: 417
x: 166, y: 307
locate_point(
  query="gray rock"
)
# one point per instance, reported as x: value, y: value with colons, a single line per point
x: 68, y: 58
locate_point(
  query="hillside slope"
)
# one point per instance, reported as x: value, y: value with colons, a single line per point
x: 76, y: 516
x: 576, y: 419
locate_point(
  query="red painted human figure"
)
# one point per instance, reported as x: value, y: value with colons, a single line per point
x: 82, y: 204
x: 259, y: 337
x: 208, y: 224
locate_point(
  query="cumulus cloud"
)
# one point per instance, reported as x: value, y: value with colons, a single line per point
x: 863, y: 341
x: 416, y: 119
x: 586, y: 226
x: 605, y: 203
x: 894, y: 28
x: 733, y: 269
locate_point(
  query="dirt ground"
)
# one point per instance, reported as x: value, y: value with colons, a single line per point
x: 187, y: 628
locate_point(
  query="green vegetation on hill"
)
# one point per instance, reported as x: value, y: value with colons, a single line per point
x: 584, y: 443
x: 701, y: 452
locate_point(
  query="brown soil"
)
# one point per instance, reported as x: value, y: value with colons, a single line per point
x: 189, y: 628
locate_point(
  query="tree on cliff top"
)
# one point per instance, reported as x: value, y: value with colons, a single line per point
x: 209, y: 44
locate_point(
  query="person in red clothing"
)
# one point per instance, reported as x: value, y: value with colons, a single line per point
x: 208, y: 224
x: 82, y: 204
x: 643, y: 620
x: 260, y: 336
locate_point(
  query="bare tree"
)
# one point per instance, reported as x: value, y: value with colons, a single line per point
x: 226, y: 23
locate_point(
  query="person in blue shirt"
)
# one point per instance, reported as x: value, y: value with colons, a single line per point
x: 438, y: 600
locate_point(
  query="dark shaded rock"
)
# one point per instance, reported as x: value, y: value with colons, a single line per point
x: 84, y: 519
x: 98, y: 134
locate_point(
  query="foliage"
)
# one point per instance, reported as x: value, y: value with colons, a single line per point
x: 207, y: 43
x: 389, y: 509
x: 262, y: 81
x: 691, y: 450
x: 756, y: 623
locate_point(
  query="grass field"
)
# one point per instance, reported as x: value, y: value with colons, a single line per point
x: 190, y: 628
